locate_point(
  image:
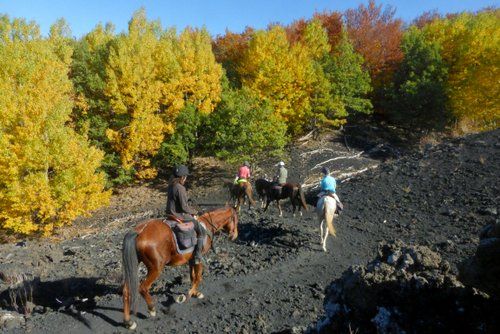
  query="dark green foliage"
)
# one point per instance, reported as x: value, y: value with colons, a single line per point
x: 243, y: 127
x: 417, y: 96
x: 349, y: 81
x: 179, y: 147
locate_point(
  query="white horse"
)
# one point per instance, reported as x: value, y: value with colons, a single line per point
x: 325, y: 209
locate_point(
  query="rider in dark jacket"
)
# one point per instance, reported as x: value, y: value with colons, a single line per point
x: 177, y: 205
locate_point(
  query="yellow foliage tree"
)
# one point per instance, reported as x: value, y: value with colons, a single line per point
x: 188, y: 71
x: 471, y: 49
x: 280, y: 73
x: 48, y: 172
x: 150, y: 77
x: 134, y: 92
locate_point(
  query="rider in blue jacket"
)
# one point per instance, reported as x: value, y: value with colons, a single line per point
x: 328, y: 187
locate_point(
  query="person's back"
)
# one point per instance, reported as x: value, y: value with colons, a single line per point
x: 177, y: 202
x: 282, y: 173
x: 243, y: 173
x: 177, y: 205
x: 328, y: 186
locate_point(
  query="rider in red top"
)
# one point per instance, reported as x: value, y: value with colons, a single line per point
x: 243, y: 173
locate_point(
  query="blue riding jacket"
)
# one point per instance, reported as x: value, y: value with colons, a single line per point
x: 328, y: 183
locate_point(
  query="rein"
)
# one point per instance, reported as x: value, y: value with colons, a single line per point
x: 215, y: 227
x: 209, y: 220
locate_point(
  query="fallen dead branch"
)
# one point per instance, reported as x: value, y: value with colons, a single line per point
x: 344, y: 177
x: 320, y: 150
x: 307, y: 136
x: 357, y: 155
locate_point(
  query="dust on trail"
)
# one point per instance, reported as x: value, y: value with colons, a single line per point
x: 272, y: 279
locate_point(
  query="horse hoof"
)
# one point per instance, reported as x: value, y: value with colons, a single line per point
x: 131, y: 325
x: 180, y: 299
x: 152, y: 313
x: 199, y: 295
x: 300, y: 213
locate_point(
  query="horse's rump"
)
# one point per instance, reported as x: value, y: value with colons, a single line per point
x: 325, y: 208
x: 261, y: 186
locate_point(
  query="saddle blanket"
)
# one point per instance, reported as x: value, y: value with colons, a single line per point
x: 321, y: 204
x: 184, y: 235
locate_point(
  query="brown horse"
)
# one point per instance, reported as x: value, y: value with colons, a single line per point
x: 239, y: 192
x: 152, y: 243
x: 288, y: 190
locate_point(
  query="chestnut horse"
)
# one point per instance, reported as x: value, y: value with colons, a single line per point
x: 240, y: 191
x: 152, y: 243
x: 293, y: 191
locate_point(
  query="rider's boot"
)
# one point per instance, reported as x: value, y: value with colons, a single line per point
x: 340, y: 206
x: 198, y: 250
x: 198, y: 256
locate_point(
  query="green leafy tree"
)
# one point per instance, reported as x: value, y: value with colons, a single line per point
x: 180, y: 146
x: 243, y: 126
x: 417, y: 96
x: 350, y: 83
x: 92, y: 111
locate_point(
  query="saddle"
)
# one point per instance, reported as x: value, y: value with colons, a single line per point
x: 183, y: 233
x: 339, y: 206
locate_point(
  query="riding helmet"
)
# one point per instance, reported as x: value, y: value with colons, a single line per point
x: 325, y: 170
x: 281, y: 163
x: 181, y: 170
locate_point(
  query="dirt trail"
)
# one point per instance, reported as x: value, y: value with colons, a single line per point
x: 272, y: 279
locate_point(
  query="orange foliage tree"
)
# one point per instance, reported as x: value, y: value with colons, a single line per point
x: 229, y: 50
x: 330, y: 21
x: 376, y: 35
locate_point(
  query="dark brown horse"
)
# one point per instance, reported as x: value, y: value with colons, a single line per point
x: 293, y: 191
x: 239, y: 192
x: 152, y: 243
x: 261, y: 187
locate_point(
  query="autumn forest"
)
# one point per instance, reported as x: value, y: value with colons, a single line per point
x: 79, y: 116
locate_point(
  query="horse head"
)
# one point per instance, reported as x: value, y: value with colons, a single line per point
x: 225, y: 219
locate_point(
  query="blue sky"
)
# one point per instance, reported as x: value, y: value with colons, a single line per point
x: 216, y: 15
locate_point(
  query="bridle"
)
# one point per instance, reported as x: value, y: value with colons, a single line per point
x: 216, y: 228
x: 212, y: 235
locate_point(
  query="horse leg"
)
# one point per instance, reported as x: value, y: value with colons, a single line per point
x: 126, y: 309
x: 321, y: 231
x: 196, y: 271
x: 279, y: 208
x: 324, y: 240
x: 153, y: 274
x: 267, y: 204
x: 250, y: 198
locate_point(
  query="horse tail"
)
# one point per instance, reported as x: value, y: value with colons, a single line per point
x: 329, y: 211
x: 130, y: 267
x: 302, y: 197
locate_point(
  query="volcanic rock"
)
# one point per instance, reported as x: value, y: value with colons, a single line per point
x: 406, y: 288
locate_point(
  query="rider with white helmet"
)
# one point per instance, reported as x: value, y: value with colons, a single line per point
x: 282, y: 174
